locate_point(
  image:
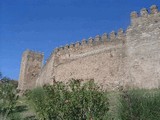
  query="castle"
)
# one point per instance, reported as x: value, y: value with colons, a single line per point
x: 128, y: 58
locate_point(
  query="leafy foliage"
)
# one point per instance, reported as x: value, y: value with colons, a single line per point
x: 8, y: 99
x: 9, y: 81
x: 140, y: 105
x: 77, y: 100
x: 74, y: 101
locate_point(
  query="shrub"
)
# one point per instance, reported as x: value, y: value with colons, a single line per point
x: 140, y: 105
x: 74, y: 101
x: 8, y: 99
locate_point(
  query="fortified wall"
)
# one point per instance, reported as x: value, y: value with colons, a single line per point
x: 128, y: 58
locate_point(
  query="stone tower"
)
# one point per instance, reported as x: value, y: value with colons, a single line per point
x: 31, y: 65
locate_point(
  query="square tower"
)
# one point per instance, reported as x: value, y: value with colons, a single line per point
x: 31, y: 65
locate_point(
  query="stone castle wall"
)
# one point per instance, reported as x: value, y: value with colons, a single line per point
x: 143, y: 49
x: 130, y: 58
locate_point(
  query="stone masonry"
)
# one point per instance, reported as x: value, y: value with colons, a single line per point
x: 31, y: 65
x: 128, y: 58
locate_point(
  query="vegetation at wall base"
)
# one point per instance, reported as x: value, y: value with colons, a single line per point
x: 78, y: 100
x: 140, y: 104
x: 8, y: 99
x: 75, y: 101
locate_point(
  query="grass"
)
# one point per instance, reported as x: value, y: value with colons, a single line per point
x: 22, y: 111
x: 25, y: 109
x: 137, y: 104
x: 140, y: 105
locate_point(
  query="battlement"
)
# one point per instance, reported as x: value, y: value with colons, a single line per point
x: 31, y: 52
x: 91, y: 42
x: 123, y: 58
x: 144, y: 15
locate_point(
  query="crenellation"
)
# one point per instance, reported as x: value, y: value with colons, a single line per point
x: 97, y: 40
x: 145, y: 16
x: 56, y: 50
x: 61, y: 48
x: 71, y: 46
x: 32, y: 55
x: 84, y: 42
x: 30, y: 52
x: 134, y: 15
x: 154, y: 9
x: 112, y: 35
x: 104, y: 38
x: 134, y: 62
x: 66, y: 47
x: 77, y: 45
x: 121, y: 34
x: 90, y: 41
x: 144, y: 12
x: 35, y: 52
x: 135, y: 20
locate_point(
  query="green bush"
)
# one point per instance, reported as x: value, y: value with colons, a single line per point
x: 8, y: 99
x: 77, y: 100
x: 140, y: 105
x: 74, y: 101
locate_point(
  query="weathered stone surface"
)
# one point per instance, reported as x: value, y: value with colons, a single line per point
x: 30, y: 68
x: 128, y: 59
x: 143, y: 53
